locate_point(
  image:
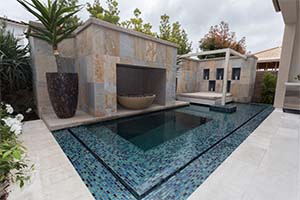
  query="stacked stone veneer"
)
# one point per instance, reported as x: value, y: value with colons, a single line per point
x: 94, y: 53
x: 191, y: 78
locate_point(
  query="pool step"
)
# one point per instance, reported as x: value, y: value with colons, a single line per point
x: 228, y: 108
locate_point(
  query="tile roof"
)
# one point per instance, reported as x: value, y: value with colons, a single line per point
x: 272, y: 55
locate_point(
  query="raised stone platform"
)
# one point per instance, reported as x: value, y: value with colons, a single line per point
x: 204, y: 98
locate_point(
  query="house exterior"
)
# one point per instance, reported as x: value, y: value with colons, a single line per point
x: 17, y: 28
x: 288, y: 87
x: 268, y: 59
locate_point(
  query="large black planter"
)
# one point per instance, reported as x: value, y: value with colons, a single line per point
x: 3, y: 189
x: 63, y: 93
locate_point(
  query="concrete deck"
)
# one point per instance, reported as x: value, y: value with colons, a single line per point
x: 264, y: 167
x: 54, y: 177
x: 81, y: 118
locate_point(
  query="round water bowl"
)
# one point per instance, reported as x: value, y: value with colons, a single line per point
x: 136, y: 102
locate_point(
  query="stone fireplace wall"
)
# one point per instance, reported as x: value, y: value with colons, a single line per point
x: 142, y: 80
x: 94, y: 53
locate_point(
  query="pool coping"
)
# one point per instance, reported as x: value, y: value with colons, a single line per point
x: 82, y: 118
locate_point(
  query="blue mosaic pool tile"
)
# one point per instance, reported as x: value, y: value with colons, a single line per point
x: 143, y: 170
x: 183, y: 184
x: 100, y: 182
x: 124, y: 157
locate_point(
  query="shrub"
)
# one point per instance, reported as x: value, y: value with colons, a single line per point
x: 15, y: 69
x: 13, y: 161
x: 15, y: 72
x: 268, y: 88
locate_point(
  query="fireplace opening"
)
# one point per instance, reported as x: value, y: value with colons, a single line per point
x: 140, y: 81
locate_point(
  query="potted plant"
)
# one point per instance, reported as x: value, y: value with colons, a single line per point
x: 62, y: 86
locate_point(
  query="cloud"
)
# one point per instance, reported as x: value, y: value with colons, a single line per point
x: 255, y: 19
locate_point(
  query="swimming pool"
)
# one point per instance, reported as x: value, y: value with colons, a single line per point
x: 162, y: 155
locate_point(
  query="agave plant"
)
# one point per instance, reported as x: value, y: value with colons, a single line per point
x: 54, y: 17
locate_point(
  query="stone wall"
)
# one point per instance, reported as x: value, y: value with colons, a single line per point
x: 191, y: 76
x: 94, y: 53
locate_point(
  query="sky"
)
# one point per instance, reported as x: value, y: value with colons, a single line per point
x: 254, y: 19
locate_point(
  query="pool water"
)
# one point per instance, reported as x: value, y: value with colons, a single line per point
x: 154, y: 129
x: 162, y: 155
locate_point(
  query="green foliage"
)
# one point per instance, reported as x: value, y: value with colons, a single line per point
x: 165, y: 27
x: 54, y: 17
x: 110, y: 15
x: 137, y: 23
x: 174, y: 33
x: 171, y: 32
x: 220, y: 37
x: 297, y: 77
x: 15, y: 71
x: 13, y: 163
x: 268, y: 88
x: 73, y: 20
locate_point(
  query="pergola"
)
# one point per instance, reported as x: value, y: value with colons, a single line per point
x: 228, y: 52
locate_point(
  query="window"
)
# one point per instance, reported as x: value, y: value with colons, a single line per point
x: 220, y: 74
x: 236, y: 73
x: 206, y: 74
x: 228, y: 86
x: 212, y: 86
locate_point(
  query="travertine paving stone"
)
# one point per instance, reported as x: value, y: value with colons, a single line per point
x: 264, y: 167
x: 54, y: 177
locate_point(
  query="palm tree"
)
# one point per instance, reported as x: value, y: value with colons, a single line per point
x: 53, y: 17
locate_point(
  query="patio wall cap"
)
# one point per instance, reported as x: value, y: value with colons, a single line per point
x: 267, y: 60
x: 217, y: 59
x: 38, y: 24
x: 297, y: 84
x: 7, y: 20
x: 102, y: 23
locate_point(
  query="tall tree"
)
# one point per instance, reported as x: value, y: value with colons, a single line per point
x: 165, y: 27
x: 220, y: 37
x: 137, y: 23
x: 111, y: 14
x: 174, y: 33
x: 73, y: 20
